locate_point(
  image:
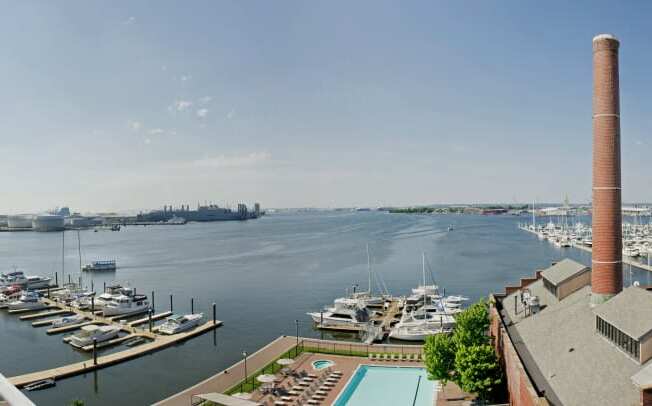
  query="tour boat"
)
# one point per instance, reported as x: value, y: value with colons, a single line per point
x: 99, y: 266
x: 125, y: 305
x: 92, y: 332
x: 178, y: 323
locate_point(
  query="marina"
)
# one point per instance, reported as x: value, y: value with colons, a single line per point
x: 151, y: 258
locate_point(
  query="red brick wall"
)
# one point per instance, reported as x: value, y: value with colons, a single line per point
x: 520, y: 388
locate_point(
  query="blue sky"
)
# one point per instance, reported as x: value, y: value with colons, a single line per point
x: 129, y: 105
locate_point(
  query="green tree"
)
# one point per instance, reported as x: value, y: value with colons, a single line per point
x: 472, y: 325
x: 478, y: 369
x: 77, y: 402
x: 439, y: 351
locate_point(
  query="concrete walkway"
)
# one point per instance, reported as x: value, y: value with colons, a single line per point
x: 234, y: 374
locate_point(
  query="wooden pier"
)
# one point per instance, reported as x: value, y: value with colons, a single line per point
x: 35, y: 309
x: 159, y: 343
x: 45, y: 314
x: 144, y: 320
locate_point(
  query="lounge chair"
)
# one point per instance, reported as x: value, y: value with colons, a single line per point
x: 313, y: 376
x: 337, y: 372
x: 280, y: 403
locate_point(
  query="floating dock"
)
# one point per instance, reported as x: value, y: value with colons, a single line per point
x: 77, y: 368
x: 155, y: 341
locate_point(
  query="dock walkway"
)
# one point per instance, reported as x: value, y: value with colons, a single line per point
x: 77, y: 368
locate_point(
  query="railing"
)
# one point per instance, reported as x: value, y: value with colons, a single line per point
x: 11, y: 395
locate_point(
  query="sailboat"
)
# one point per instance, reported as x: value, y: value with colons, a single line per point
x: 429, y: 319
x: 367, y: 298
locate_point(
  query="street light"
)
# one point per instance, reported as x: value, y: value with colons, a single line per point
x: 296, y: 351
x: 244, y: 354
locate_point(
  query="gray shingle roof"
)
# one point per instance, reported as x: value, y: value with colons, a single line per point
x: 578, y: 365
x: 563, y: 270
x: 629, y: 311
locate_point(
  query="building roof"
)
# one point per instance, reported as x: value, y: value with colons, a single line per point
x: 563, y: 270
x: 629, y: 311
x: 564, y: 356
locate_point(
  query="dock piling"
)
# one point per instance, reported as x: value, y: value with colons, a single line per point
x: 214, y: 313
x: 150, y: 319
x: 171, y: 309
x: 69, y: 279
x: 152, y: 301
x: 94, y: 351
x: 104, y: 288
x: 93, y: 304
x: 192, y: 305
x: 80, y: 281
x: 56, y: 278
x: 92, y: 286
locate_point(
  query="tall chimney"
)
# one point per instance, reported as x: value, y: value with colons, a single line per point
x: 607, y: 273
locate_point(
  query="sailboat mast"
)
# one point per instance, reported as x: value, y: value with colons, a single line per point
x: 369, y: 268
x: 63, y: 257
x: 423, y: 270
x: 79, y: 253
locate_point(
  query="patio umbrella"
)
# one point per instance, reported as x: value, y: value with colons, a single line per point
x: 285, y: 361
x: 242, y: 395
x: 266, y: 378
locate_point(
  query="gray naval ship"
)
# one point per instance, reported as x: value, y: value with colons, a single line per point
x: 210, y: 212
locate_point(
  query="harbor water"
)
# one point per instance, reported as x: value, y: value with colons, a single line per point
x: 263, y: 275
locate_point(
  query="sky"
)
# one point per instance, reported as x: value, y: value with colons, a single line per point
x: 133, y: 105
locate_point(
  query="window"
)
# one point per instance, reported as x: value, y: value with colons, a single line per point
x: 619, y: 338
x: 549, y: 286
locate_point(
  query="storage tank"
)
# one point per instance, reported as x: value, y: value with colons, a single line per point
x: 21, y: 221
x: 48, y: 222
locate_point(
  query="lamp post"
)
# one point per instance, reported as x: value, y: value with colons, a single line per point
x: 296, y: 350
x: 244, y: 354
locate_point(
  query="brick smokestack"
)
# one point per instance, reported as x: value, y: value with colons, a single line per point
x: 607, y: 273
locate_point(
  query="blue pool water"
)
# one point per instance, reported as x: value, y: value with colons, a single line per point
x: 322, y: 363
x: 373, y: 385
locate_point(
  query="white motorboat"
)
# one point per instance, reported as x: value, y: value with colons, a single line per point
x: 344, y: 312
x: 178, y: 323
x: 124, y: 305
x: 68, y: 320
x: 415, y: 333
x: 83, y: 301
x: 37, y: 282
x: 8, y: 297
x: 93, y: 332
x: 99, y: 266
x: 27, y: 300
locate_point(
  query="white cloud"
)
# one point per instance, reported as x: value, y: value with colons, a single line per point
x: 180, y: 105
x: 205, y: 99
x: 201, y: 113
x: 135, y: 125
x: 231, y: 114
x: 129, y: 21
x: 156, y: 131
x: 234, y: 161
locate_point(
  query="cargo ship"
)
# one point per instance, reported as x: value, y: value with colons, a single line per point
x: 210, y: 212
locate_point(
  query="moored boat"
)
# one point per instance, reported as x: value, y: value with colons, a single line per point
x: 91, y: 333
x: 178, y: 323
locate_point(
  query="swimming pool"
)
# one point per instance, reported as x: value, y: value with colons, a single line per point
x: 375, y: 385
x: 322, y: 363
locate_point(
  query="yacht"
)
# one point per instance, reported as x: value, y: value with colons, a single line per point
x: 110, y: 292
x: 344, y: 312
x: 37, y: 282
x: 8, y: 296
x: 93, y: 332
x: 416, y: 332
x: 124, y: 305
x: 107, y: 266
x: 27, y: 300
x: 83, y: 301
x: 68, y: 320
x: 631, y: 252
x: 178, y: 323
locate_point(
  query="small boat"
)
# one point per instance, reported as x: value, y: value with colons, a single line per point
x: 13, y: 278
x: 44, y: 384
x: 68, y: 320
x: 88, y: 333
x: 178, y: 323
x: 450, y: 227
x: 100, y: 266
x: 27, y: 300
x: 37, y: 282
x: 344, y: 312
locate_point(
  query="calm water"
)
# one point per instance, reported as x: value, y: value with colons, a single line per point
x: 263, y: 275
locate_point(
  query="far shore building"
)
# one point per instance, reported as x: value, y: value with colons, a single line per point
x: 571, y: 334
